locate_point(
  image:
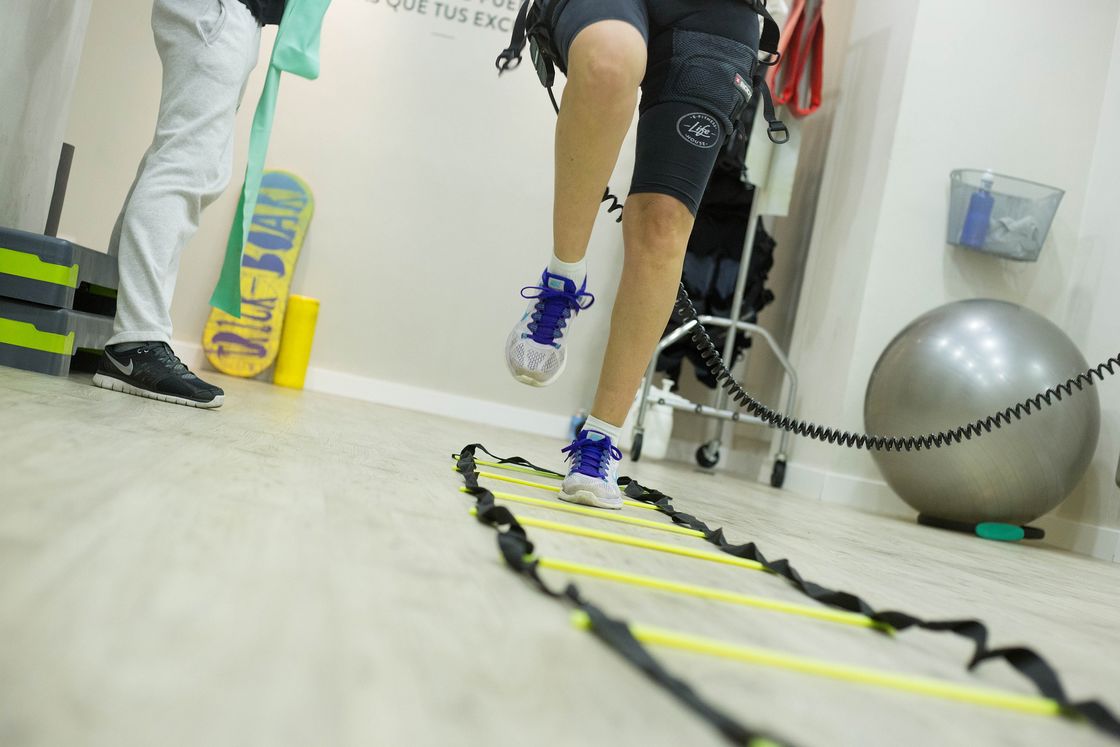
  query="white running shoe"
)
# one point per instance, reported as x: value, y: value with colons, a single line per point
x: 535, y: 348
x: 593, y: 477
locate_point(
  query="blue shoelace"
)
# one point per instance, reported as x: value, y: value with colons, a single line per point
x: 553, y: 309
x: 592, y: 457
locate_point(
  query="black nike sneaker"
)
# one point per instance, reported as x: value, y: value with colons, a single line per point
x: 152, y: 370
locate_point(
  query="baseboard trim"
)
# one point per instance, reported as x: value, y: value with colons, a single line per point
x: 873, y: 496
x: 418, y: 399
x: 1086, y: 539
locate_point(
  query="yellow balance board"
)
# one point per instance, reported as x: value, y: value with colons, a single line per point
x: 247, y: 346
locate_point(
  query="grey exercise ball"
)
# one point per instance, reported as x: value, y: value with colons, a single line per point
x: 965, y: 361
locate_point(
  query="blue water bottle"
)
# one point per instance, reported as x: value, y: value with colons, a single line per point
x: 979, y: 215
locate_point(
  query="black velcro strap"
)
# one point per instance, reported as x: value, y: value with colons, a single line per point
x: 768, y: 43
x: 771, y: 33
x: 516, y: 460
x: 776, y: 130
x: 510, y: 57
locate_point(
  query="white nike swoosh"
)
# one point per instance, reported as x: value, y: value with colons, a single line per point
x: 122, y: 369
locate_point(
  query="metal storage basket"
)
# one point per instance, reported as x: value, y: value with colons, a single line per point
x: 1021, y: 214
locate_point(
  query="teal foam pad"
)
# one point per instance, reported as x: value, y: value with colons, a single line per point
x: 55, y: 272
x: 44, y: 339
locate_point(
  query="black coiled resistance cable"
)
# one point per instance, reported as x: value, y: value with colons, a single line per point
x: 743, y: 399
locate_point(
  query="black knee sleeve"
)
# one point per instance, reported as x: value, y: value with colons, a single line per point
x: 697, y: 85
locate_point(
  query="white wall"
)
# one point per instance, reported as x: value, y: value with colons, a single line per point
x: 433, y: 185
x: 1003, y: 84
x: 852, y: 192
x: 793, y: 233
x: 433, y: 180
x: 41, y: 43
x: 1092, y: 305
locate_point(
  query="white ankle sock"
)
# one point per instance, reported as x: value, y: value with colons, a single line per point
x: 613, y: 432
x: 574, y: 271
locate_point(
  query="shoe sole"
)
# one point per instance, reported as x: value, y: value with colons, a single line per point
x: 529, y: 380
x: 116, y: 385
x: 587, y: 498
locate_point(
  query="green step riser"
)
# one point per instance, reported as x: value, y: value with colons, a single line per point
x: 24, y: 265
x: 26, y: 335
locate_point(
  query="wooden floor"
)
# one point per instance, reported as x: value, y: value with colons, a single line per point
x: 297, y: 570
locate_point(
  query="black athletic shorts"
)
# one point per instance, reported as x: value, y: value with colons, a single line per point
x: 702, y: 54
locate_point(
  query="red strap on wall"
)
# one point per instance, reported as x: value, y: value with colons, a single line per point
x: 796, y: 79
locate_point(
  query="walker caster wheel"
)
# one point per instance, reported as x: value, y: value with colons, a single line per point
x: 636, y: 447
x: 778, y: 474
x: 707, y: 459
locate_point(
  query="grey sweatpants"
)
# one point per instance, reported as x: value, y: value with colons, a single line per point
x: 208, y: 48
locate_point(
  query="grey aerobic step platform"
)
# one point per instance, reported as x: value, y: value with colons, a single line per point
x: 38, y: 338
x: 55, y: 272
x: 55, y: 298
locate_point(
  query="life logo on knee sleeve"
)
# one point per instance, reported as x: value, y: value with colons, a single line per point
x: 699, y: 129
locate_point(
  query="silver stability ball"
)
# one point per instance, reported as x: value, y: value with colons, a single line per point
x: 965, y: 361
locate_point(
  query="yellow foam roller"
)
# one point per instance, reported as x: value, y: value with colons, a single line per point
x: 295, y: 345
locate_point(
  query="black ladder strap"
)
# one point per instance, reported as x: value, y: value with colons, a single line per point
x: 1029, y: 663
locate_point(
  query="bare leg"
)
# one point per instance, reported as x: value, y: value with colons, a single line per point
x: 606, y: 64
x: 656, y: 228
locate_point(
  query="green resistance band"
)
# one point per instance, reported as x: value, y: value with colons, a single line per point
x: 296, y: 51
